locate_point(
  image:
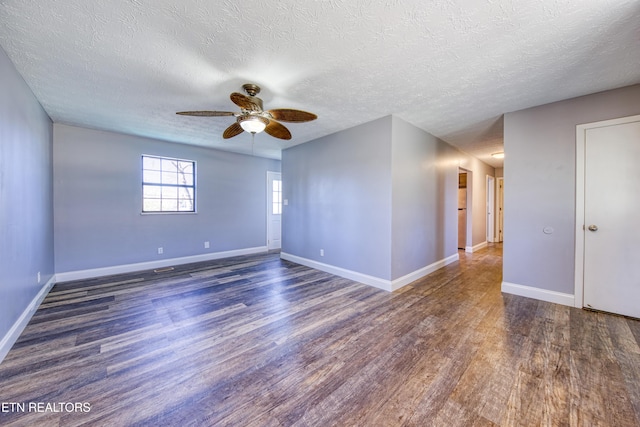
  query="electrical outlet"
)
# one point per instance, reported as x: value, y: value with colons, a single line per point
x: 38, y: 277
x: 206, y: 245
x: 160, y: 251
x: 321, y: 252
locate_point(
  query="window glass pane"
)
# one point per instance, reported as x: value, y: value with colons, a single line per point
x: 185, y: 179
x: 151, y: 191
x: 185, y: 193
x: 169, y: 177
x: 151, y: 205
x: 185, y: 205
x: 169, y: 165
x: 185, y: 167
x: 151, y: 176
x: 169, y: 192
x: 169, y: 205
x: 150, y: 163
x: 276, y: 196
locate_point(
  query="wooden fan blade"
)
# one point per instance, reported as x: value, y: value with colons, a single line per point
x: 246, y: 102
x: 233, y: 130
x: 277, y: 130
x: 293, y: 116
x: 206, y: 113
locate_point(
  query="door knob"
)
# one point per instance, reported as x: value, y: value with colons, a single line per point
x: 593, y: 227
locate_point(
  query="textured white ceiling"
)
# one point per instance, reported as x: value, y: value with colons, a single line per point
x: 450, y: 67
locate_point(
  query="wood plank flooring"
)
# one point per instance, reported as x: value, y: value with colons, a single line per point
x: 258, y: 341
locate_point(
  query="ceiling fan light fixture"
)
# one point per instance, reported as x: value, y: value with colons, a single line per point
x: 499, y: 155
x: 253, y: 124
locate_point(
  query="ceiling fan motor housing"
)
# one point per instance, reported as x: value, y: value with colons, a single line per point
x: 251, y: 89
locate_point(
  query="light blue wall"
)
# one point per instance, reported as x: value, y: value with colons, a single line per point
x: 26, y: 196
x: 339, y: 192
x: 539, y: 189
x: 97, y: 203
x: 425, y: 211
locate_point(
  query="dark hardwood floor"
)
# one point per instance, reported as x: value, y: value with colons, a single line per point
x: 257, y: 341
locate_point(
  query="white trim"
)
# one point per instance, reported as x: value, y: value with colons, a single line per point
x: 476, y: 248
x: 579, y: 224
x: 14, y: 333
x: 490, y: 208
x: 140, y: 266
x: 581, y: 142
x: 500, y: 206
x: 420, y: 273
x: 537, y: 293
x: 376, y: 282
x: 338, y: 271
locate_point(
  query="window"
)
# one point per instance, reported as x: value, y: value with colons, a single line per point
x: 168, y: 185
x: 277, y: 197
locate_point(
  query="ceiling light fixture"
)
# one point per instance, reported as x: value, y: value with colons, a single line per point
x: 253, y: 124
x: 499, y: 155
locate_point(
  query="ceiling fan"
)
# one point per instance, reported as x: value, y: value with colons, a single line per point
x: 252, y: 118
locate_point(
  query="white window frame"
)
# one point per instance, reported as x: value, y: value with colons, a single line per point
x: 276, y: 197
x: 161, y: 185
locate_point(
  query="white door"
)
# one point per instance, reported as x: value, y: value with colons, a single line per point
x: 611, y: 213
x: 274, y: 210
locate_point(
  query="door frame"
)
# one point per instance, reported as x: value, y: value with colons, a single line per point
x: 271, y: 175
x: 491, y: 203
x: 500, y: 208
x: 581, y: 142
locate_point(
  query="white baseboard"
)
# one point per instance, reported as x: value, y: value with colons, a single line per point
x: 140, y: 266
x: 476, y: 248
x: 387, y: 285
x: 338, y: 271
x: 539, y: 294
x: 14, y: 333
x: 412, y: 277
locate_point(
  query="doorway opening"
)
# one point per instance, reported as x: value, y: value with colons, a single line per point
x: 464, y: 215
